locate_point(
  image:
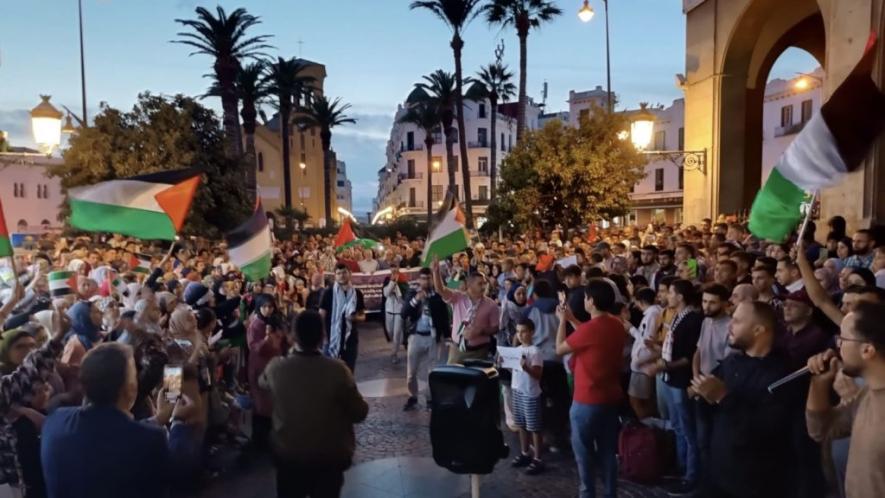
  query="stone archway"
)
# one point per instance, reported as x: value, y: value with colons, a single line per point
x: 731, y: 46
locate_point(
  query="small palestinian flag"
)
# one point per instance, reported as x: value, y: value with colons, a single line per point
x: 62, y: 283
x: 149, y: 207
x: 250, y: 247
x: 347, y: 238
x: 448, y: 237
x: 140, y: 263
x: 5, y: 245
x: 833, y: 143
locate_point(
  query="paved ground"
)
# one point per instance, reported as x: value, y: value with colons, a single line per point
x: 393, y: 457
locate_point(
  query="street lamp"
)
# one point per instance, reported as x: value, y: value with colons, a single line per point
x: 642, y: 127
x: 46, y: 125
x: 804, y: 81
x: 585, y: 15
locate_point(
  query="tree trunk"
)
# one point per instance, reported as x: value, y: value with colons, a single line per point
x: 326, y: 138
x: 428, y: 144
x: 287, y: 164
x: 493, y: 156
x: 457, y: 45
x: 251, y: 159
x: 226, y: 72
x: 523, y: 99
x: 450, y: 160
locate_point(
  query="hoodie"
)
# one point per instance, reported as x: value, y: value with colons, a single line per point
x: 543, y: 313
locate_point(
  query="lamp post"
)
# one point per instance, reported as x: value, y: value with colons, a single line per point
x: 303, y: 168
x: 585, y: 14
x: 641, y: 132
x: 46, y: 125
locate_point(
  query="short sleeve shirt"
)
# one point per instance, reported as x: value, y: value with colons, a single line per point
x: 485, y: 316
x: 521, y: 380
x: 598, y: 347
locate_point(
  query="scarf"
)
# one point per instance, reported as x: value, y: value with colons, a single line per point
x: 343, y: 305
x: 81, y: 324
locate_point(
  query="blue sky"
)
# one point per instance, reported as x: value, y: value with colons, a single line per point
x: 374, y: 50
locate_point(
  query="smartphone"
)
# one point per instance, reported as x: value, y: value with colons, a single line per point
x: 172, y: 382
x: 561, y: 297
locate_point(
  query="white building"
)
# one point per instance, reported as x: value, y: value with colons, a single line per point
x: 344, y: 188
x: 582, y: 103
x: 402, y: 182
x: 31, y: 199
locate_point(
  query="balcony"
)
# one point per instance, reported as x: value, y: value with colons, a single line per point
x: 415, y: 205
x: 478, y: 145
x: 480, y: 173
x: 782, y: 131
x: 413, y: 148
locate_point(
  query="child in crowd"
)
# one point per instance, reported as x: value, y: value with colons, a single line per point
x: 526, y: 399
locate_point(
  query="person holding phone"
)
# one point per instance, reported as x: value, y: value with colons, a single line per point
x: 265, y: 341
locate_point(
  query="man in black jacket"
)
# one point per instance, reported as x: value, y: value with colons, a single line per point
x: 750, y: 446
x: 427, y: 319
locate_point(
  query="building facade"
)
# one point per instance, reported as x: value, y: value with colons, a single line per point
x: 402, y: 182
x: 343, y: 188
x: 306, y: 164
x: 31, y: 199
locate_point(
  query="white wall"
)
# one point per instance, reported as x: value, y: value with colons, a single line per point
x: 779, y: 94
x: 29, y: 171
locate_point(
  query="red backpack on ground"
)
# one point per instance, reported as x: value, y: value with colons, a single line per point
x: 639, y: 453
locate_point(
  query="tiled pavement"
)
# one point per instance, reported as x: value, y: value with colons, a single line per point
x: 393, y: 456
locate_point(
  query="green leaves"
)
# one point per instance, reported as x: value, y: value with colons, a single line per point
x: 568, y: 176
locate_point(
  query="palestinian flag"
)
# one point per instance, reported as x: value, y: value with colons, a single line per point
x: 250, y: 247
x: 140, y: 263
x: 346, y: 238
x: 62, y: 283
x: 149, y: 207
x: 448, y: 237
x: 833, y: 143
x: 5, y: 245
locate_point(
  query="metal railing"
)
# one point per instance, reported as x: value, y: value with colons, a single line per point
x: 478, y: 173
x: 478, y: 145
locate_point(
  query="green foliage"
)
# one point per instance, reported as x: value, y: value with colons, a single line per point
x: 568, y: 176
x: 292, y: 220
x: 160, y: 134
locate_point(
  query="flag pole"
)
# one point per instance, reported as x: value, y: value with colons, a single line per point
x: 808, y: 210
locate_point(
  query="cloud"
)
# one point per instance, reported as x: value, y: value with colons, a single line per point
x: 17, y: 123
x: 363, y: 147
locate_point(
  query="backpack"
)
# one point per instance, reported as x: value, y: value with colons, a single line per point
x: 639, y: 453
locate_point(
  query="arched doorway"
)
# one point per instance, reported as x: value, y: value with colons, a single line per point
x: 763, y: 33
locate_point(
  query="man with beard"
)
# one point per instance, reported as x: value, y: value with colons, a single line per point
x: 862, y: 243
x: 861, y: 344
x: 666, y: 260
x: 750, y: 444
x: 649, y: 264
x: 342, y: 307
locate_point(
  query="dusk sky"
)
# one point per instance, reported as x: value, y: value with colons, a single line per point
x: 374, y: 50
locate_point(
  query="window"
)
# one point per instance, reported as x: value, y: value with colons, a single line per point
x: 301, y: 136
x: 681, y: 143
x: 509, y: 142
x: 436, y: 164
x: 786, y: 116
x: 807, y: 109
x: 260, y: 161
x: 436, y: 194
x: 482, y: 110
x: 410, y: 166
x: 39, y: 191
x: 483, y: 164
x: 304, y: 192
x: 483, y: 193
x: 482, y: 135
x: 42, y: 191
x: 503, y: 143
x: 341, y: 183
x: 410, y: 140
x: 412, y: 197
x: 681, y: 177
x: 661, y: 140
x: 659, y: 179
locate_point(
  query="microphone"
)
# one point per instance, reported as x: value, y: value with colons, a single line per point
x: 789, y: 378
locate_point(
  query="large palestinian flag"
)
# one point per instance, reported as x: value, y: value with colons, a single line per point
x: 5, y: 244
x: 448, y: 236
x: 833, y: 143
x: 249, y: 246
x: 149, y: 207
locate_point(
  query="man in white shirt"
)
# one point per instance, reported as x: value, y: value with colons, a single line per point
x: 393, y: 305
x: 641, y: 389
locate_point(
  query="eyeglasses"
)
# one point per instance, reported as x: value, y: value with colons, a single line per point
x: 840, y: 339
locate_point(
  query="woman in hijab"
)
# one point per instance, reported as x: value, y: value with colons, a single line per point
x: 265, y: 341
x: 84, y: 334
x: 511, y: 312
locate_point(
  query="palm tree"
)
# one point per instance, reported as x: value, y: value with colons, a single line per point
x: 326, y: 115
x: 457, y: 14
x: 425, y: 116
x: 438, y: 91
x: 251, y: 90
x: 523, y: 15
x: 224, y: 37
x: 493, y: 82
x: 285, y: 80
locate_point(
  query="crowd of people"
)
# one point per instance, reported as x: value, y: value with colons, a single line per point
x: 127, y: 366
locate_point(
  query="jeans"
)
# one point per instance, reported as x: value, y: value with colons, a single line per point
x: 594, y: 442
x: 660, y: 399
x: 682, y: 417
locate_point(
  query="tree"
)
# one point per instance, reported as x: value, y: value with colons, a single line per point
x: 457, y: 14
x: 292, y: 217
x: 224, y: 38
x: 569, y: 176
x: 326, y: 115
x: 285, y: 80
x: 493, y: 83
x: 438, y: 91
x: 158, y: 134
x: 251, y: 89
x: 425, y: 116
x: 523, y: 15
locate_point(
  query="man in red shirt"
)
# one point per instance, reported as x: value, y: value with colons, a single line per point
x: 597, y: 346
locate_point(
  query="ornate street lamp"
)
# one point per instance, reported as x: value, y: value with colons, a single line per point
x: 46, y: 125
x: 642, y: 127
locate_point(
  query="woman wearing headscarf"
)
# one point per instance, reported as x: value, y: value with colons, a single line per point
x: 511, y: 312
x: 84, y: 334
x: 265, y: 341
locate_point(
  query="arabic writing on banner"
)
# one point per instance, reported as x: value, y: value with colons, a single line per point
x: 372, y: 285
